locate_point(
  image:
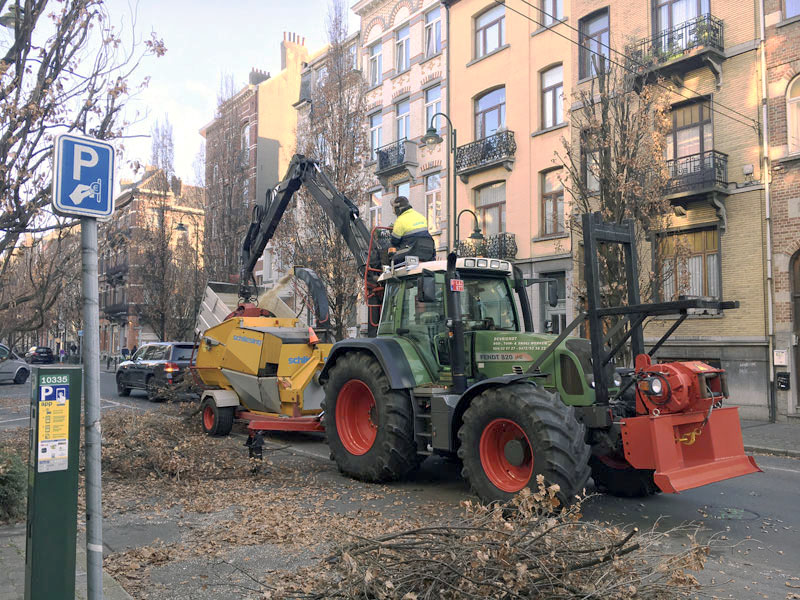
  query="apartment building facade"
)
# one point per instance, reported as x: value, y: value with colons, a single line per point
x: 706, y: 54
x: 403, y: 58
x: 510, y: 73
x: 782, y: 28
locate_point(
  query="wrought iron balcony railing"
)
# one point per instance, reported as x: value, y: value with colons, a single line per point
x: 501, y: 245
x: 486, y: 152
x: 116, y: 272
x: 703, y: 32
x: 393, y: 156
x: 698, y: 172
x: 120, y: 308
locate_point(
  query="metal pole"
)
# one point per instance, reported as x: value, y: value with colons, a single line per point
x: 455, y: 184
x: 91, y: 374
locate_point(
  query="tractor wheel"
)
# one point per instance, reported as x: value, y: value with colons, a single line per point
x: 512, y: 434
x: 369, y: 425
x: 121, y: 389
x: 618, y: 478
x: 217, y: 420
x: 21, y: 376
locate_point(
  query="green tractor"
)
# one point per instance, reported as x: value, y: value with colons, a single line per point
x: 456, y: 370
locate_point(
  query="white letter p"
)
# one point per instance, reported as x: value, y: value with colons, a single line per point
x: 80, y: 162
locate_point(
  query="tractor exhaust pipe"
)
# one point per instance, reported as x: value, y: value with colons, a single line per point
x: 456, y: 325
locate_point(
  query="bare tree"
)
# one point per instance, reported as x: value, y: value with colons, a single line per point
x: 615, y: 163
x: 227, y: 216
x: 163, y: 147
x: 63, y: 67
x: 334, y: 134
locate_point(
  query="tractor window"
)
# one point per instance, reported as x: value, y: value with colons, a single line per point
x: 389, y: 309
x: 424, y: 315
x: 487, y: 304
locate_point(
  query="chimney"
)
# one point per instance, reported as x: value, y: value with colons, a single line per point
x: 257, y: 76
x: 290, y: 40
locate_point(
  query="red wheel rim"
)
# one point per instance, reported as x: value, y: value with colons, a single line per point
x: 355, y: 416
x: 208, y: 418
x: 500, y: 471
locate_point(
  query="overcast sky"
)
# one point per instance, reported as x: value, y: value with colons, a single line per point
x: 205, y: 40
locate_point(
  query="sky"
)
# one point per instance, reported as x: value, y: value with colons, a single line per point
x: 206, y: 40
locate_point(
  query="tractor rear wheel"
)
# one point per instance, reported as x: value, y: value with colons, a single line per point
x: 512, y: 434
x: 217, y: 420
x: 618, y: 478
x: 369, y: 425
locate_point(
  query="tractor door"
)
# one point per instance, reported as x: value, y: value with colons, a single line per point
x: 422, y: 319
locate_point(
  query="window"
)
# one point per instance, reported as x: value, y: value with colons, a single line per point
x: 375, y: 205
x: 593, y: 43
x: 375, y: 134
x: 552, y: 203
x: 490, y: 202
x: 691, y: 131
x: 552, y: 97
x: 433, y: 200
x: 402, y: 49
x: 402, y: 120
x: 672, y: 13
x: 375, y: 64
x: 690, y: 264
x: 246, y: 137
x: 352, y: 57
x: 490, y: 31
x: 553, y: 11
x: 792, y: 8
x: 490, y: 113
x: 793, y: 114
x: 322, y: 75
x: 433, y: 32
x: 433, y: 105
x: 403, y: 189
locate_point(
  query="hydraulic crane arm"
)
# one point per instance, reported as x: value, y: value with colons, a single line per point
x: 268, y: 212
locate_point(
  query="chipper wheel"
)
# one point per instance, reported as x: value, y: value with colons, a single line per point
x: 512, y: 434
x: 217, y: 420
x: 618, y: 478
x: 369, y: 425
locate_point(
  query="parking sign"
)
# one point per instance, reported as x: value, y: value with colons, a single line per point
x: 83, y: 176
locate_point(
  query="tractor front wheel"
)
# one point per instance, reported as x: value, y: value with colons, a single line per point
x: 217, y: 420
x: 512, y: 434
x: 618, y: 478
x: 368, y: 424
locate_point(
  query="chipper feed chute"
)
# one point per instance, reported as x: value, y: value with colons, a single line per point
x: 683, y: 433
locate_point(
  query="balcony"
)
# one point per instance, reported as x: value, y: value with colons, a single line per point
x: 488, y: 152
x: 501, y: 245
x: 698, y: 174
x: 116, y: 273
x: 116, y: 311
x: 685, y: 47
x: 395, y: 158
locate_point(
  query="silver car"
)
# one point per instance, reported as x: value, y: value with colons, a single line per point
x: 12, y: 367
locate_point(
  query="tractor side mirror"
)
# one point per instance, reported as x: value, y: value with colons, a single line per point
x: 426, y: 288
x: 552, y: 293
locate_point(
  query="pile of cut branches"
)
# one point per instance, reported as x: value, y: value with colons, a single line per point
x: 167, y: 446
x: 525, y: 550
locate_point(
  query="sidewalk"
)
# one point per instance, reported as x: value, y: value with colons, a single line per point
x: 12, y: 568
x: 782, y: 439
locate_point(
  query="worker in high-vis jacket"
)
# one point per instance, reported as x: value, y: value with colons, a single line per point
x: 410, y: 235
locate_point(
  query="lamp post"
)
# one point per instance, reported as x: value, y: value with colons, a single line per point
x: 431, y: 139
x: 476, y: 234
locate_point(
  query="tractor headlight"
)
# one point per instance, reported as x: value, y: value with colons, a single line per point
x: 617, y: 379
x: 590, y: 381
x: 656, y: 386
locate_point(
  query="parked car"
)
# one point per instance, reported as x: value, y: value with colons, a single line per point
x: 40, y: 354
x: 12, y: 367
x: 154, y: 368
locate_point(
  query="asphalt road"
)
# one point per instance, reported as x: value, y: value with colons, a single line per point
x: 754, y: 518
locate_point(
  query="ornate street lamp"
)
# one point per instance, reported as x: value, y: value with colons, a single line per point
x: 431, y: 139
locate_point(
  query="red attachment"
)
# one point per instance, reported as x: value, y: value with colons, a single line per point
x: 683, y: 459
x: 373, y: 291
x: 687, y: 386
x: 258, y: 422
x: 249, y: 310
x: 171, y: 367
x: 313, y: 340
x: 498, y: 468
x: 355, y: 417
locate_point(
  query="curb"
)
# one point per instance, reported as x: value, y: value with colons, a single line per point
x: 775, y: 451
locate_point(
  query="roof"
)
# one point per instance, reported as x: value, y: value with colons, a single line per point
x: 491, y: 266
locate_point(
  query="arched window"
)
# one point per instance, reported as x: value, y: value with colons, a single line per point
x: 793, y: 115
x: 490, y: 113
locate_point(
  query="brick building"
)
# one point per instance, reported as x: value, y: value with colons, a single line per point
x: 708, y: 56
x: 782, y: 21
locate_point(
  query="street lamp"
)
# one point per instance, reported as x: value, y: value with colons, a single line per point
x: 431, y: 139
x: 476, y: 235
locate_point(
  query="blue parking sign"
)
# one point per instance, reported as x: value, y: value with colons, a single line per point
x: 83, y: 176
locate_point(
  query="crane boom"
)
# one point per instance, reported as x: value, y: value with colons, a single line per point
x: 268, y: 212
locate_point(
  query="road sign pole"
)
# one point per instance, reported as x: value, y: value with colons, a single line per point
x: 91, y: 370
